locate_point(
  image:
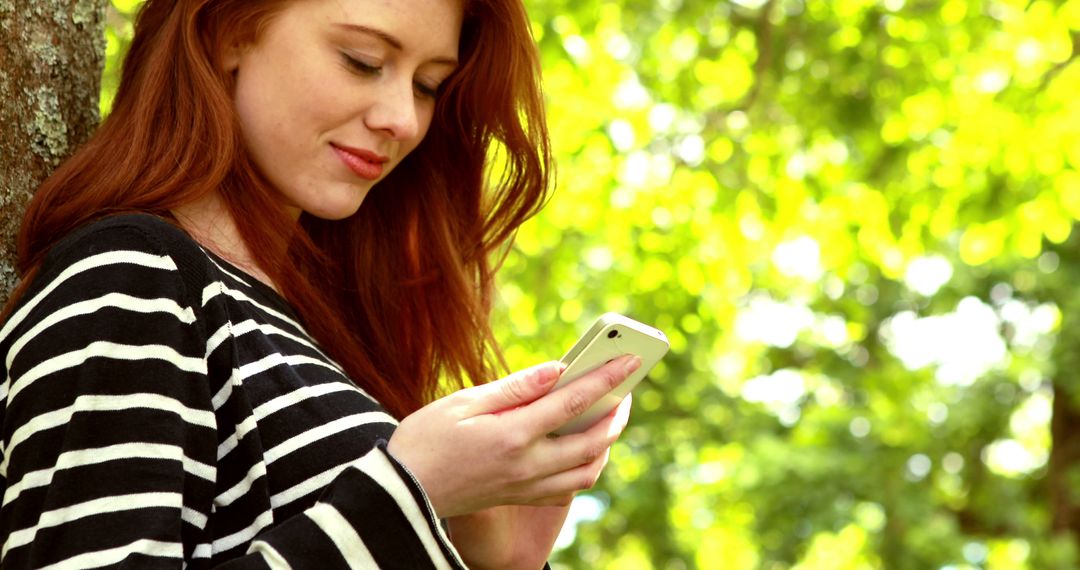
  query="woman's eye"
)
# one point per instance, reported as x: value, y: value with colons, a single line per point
x: 426, y: 91
x: 361, y: 66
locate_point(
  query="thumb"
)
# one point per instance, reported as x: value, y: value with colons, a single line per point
x: 517, y: 389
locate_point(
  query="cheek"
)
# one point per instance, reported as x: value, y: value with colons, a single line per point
x: 257, y: 107
x: 274, y: 137
x: 275, y: 100
x: 250, y: 112
x: 279, y: 122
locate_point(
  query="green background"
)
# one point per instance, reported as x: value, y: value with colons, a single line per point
x: 855, y: 221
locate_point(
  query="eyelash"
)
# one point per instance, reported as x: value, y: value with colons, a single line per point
x: 374, y: 70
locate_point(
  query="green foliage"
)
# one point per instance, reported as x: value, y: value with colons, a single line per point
x: 118, y: 30
x: 855, y: 221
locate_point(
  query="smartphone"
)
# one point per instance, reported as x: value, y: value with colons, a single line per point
x: 611, y: 336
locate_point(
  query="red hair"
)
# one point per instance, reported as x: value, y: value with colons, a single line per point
x: 399, y: 293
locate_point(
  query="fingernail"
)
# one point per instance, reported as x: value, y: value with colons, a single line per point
x: 547, y: 374
x: 632, y: 364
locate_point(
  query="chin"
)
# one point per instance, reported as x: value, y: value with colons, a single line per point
x: 333, y: 214
x: 338, y: 210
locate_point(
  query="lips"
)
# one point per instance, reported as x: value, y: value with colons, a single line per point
x: 363, y: 163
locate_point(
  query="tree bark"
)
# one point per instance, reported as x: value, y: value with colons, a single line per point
x: 1063, y: 467
x: 1064, y: 457
x: 52, y: 53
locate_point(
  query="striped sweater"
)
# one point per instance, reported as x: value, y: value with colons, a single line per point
x: 161, y: 409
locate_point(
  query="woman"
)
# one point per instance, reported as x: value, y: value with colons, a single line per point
x: 272, y: 251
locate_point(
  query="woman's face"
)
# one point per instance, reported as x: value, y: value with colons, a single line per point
x: 333, y: 94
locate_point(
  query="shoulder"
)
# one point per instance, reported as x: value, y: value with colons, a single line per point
x: 117, y: 282
x: 136, y: 233
x: 135, y: 254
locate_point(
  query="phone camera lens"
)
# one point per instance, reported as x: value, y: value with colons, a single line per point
x: 612, y: 334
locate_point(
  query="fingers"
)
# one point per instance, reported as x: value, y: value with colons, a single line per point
x: 576, y: 461
x: 568, y: 452
x: 515, y: 390
x: 567, y: 483
x: 560, y: 406
x: 622, y: 413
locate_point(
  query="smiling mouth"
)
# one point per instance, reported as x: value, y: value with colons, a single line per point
x: 363, y: 163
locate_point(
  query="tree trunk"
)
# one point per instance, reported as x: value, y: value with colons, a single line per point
x: 1064, y: 456
x: 52, y: 53
x: 1063, y: 467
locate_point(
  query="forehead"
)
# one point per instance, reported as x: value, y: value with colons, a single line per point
x: 418, y: 24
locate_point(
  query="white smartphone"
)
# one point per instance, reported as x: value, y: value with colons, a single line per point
x: 611, y: 336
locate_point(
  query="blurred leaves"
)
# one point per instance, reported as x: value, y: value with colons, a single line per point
x: 855, y: 220
x: 841, y: 213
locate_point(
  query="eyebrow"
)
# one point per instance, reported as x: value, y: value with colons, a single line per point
x: 390, y: 40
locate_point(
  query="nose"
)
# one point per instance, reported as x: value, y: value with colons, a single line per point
x: 394, y: 111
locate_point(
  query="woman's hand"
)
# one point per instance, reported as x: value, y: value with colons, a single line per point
x: 488, y: 445
x: 514, y: 537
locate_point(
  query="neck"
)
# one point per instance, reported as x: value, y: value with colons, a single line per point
x: 210, y: 223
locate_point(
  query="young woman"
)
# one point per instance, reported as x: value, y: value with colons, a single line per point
x: 279, y: 244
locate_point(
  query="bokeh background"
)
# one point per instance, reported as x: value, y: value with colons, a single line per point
x: 856, y: 221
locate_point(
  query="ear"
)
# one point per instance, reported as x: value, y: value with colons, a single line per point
x: 231, y: 56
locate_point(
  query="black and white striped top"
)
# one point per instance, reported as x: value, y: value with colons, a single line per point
x: 161, y: 409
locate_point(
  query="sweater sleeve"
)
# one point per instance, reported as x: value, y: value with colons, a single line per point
x: 109, y: 441
x: 374, y: 515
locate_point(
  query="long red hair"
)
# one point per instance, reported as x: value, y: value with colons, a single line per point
x: 399, y: 293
